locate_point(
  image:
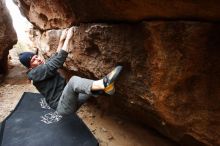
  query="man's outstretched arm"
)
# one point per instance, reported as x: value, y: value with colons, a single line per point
x: 63, y: 49
x: 49, y: 68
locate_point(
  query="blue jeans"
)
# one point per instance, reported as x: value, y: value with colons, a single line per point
x: 75, y: 93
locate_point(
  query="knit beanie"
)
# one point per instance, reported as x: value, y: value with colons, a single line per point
x: 25, y: 58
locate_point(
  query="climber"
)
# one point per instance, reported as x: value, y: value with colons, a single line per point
x: 64, y: 97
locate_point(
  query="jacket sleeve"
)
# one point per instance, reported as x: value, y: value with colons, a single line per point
x: 49, y: 69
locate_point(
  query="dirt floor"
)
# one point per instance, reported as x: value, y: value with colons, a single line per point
x: 109, y: 129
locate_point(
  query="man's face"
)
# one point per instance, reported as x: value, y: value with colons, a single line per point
x: 35, y: 61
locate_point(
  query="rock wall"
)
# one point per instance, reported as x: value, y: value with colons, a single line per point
x: 171, y: 72
x: 7, y: 36
x: 47, y: 14
x: 171, y: 68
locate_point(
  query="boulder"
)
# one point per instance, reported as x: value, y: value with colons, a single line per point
x: 170, y: 79
x: 8, y: 36
x: 171, y: 70
x: 47, y: 14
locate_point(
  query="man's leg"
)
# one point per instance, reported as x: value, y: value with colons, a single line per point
x: 82, y: 98
x: 69, y: 100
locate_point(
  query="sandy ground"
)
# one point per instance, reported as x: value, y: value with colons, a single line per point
x: 109, y: 129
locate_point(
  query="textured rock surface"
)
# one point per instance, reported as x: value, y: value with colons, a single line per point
x: 48, y: 14
x: 171, y: 69
x: 7, y: 36
x: 171, y: 73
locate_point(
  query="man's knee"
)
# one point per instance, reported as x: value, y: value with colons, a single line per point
x: 66, y: 107
x: 74, y: 79
x: 64, y: 112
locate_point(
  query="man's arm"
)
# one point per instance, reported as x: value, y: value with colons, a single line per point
x: 48, y: 69
x: 60, y: 58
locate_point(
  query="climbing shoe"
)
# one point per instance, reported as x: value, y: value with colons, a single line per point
x: 109, y: 80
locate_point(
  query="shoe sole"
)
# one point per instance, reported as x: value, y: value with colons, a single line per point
x: 116, y: 73
x: 110, y: 89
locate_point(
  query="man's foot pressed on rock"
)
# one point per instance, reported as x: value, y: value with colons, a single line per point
x: 109, y: 80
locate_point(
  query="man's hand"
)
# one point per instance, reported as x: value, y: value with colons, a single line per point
x: 62, y: 39
x: 70, y: 32
x: 63, y: 35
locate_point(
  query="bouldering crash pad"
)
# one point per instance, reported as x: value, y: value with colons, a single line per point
x: 34, y: 123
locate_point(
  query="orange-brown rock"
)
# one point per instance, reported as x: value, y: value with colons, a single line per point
x: 7, y: 36
x: 47, y: 14
x: 171, y: 77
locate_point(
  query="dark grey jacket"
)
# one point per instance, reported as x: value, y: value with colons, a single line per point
x: 47, y: 80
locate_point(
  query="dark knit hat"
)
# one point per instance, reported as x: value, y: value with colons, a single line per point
x: 25, y: 58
